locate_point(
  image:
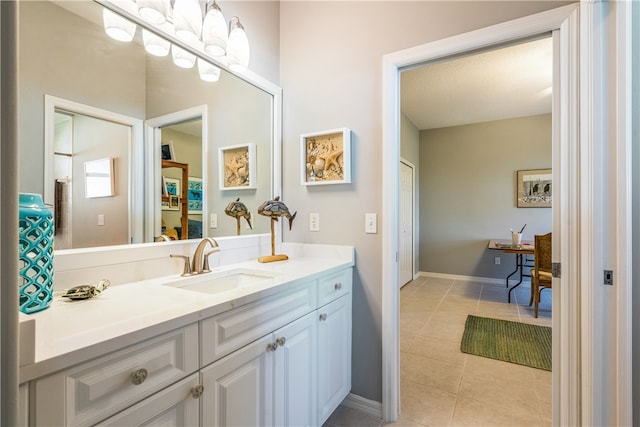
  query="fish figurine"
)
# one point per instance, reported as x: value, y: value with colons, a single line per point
x: 239, y: 210
x: 274, y: 209
x: 86, y: 291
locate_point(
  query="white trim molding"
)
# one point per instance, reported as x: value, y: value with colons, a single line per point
x: 563, y: 22
x: 370, y: 407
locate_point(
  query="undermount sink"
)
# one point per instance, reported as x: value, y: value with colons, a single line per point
x: 217, y: 282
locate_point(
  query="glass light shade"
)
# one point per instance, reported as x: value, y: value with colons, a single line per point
x: 155, y: 45
x: 182, y: 58
x: 237, y: 48
x: 117, y: 27
x: 208, y: 72
x: 154, y: 11
x: 187, y: 21
x: 214, y: 32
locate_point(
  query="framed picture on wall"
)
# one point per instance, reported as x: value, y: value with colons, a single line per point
x: 166, y: 148
x: 534, y: 188
x: 194, y: 191
x: 326, y: 157
x: 171, y: 198
x: 237, y: 167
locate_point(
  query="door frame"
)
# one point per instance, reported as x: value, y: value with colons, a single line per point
x: 414, y: 226
x: 563, y: 24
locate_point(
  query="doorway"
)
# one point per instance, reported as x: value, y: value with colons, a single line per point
x: 562, y: 23
x: 407, y: 223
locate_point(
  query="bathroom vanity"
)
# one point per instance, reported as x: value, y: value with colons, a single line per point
x: 247, y: 344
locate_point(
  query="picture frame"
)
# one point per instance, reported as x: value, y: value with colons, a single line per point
x: 534, y: 188
x: 237, y: 167
x: 167, y: 151
x: 171, y: 198
x: 194, y: 196
x: 325, y: 157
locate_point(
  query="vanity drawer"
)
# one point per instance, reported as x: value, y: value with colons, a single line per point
x: 92, y: 391
x: 231, y: 330
x: 334, y: 286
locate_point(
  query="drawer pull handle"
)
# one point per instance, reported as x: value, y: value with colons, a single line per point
x: 281, y: 341
x: 197, y: 391
x: 138, y: 376
x: 337, y: 286
x: 323, y: 317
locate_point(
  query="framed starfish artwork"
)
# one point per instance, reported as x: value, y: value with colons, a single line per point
x: 326, y: 157
x: 237, y: 167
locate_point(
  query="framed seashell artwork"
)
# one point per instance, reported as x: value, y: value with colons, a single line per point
x: 326, y: 157
x: 237, y: 166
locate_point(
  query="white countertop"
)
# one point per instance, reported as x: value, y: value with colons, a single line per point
x: 69, y: 332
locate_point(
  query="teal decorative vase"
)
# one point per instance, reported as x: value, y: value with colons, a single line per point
x: 35, y: 228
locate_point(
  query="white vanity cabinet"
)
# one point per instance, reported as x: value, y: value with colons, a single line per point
x: 283, y: 359
x: 297, y: 375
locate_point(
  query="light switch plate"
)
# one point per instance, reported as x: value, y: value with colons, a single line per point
x: 213, y: 220
x: 314, y: 222
x: 371, y: 223
x: 100, y: 219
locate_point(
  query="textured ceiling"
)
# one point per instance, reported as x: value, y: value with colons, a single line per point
x: 514, y: 81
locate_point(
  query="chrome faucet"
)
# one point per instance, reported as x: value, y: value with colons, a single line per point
x: 200, y: 262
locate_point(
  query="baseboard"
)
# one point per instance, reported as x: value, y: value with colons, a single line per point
x: 470, y: 278
x: 361, y: 404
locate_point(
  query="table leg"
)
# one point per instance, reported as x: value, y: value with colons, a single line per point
x: 519, y: 265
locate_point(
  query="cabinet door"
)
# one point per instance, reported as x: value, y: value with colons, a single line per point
x: 296, y: 373
x: 334, y: 355
x: 174, y: 406
x: 238, y: 389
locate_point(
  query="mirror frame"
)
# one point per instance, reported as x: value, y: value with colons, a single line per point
x: 124, y: 8
x: 136, y: 156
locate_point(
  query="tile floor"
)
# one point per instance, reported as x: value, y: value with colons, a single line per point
x: 441, y: 386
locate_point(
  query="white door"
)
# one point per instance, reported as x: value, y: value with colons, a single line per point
x: 334, y: 355
x: 238, y: 389
x: 405, y: 244
x: 296, y: 373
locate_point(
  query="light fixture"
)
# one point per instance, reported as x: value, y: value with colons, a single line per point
x: 187, y: 21
x: 208, y: 72
x: 229, y: 46
x: 117, y: 27
x: 214, y: 31
x: 237, y: 46
x: 155, y: 45
x: 154, y: 11
x: 182, y: 58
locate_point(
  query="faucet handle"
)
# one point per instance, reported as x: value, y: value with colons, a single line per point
x: 205, y: 262
x: 186, y: 270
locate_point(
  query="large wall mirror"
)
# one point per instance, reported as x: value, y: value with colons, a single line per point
x: 84, y: 97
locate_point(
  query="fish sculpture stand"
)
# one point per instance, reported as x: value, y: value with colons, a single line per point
x: 275, y: 209
x: 86, y: 291
x: 238, y: 210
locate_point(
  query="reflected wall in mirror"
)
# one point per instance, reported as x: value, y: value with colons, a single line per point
x: 71, y: 57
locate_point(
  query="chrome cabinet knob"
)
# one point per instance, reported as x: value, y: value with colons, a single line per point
x: 323, y: 317
x: 138, y: 377
x: 337, y: 286
x: 281, y: 341
x: 272, y: 346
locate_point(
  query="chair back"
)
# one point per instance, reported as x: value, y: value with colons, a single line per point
x: 542, y: 252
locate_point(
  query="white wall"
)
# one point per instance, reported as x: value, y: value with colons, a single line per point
x: 331, y: 73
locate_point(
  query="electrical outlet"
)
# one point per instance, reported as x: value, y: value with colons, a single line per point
x: 213, y: 220
x: 370, y: 223
x: 496, y: 260
x: 314, y: 222
x: 100, y: 219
